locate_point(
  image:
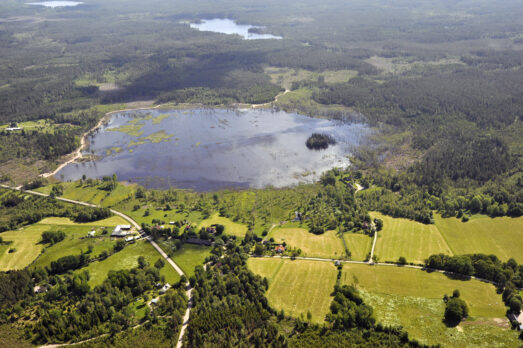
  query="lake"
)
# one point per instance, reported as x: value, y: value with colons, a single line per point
x: 228, y: 26
x: 54, y: 4
x: 209, y: 149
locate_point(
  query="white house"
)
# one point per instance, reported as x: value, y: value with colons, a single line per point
x: 165, y: 288
x: 91, y: 234
x: 121, y: 231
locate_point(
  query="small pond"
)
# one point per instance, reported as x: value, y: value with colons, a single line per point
x: 209, y: 149
x: 54, y: 4
x: 228, y: 26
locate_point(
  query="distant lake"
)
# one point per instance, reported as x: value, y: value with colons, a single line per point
x: 209, y: 149
x: 54, y: 4
x: 228, y: 26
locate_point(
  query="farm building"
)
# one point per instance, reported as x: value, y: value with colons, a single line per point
x: 516, y: 318
x: 279, y: 249
x: 121, y: 231
x: 91, y: 234
x: 164, y: 289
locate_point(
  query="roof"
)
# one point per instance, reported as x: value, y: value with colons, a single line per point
x: 121, y: 231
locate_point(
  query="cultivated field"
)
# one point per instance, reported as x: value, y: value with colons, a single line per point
x: 327, y: 245
x: 502, y: 236
x: 359, y: 245
x: 111, y: 221
x: 26, y: 242
x: 413, y: 240
x: 127, y: 259
x: 413, y: 298
x: 231, y: 228
x: 297, y: 286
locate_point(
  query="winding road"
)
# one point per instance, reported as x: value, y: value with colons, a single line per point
x: 148, y: 238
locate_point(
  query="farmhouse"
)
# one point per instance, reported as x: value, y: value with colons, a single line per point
x: 121, y: 231
x: 11, y: 129
x: 279, y: 249
x: 164, y: 289
x: 91, y: 234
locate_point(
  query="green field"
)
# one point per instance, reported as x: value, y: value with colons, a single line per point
x: 189, y: 256
x: 297, y: 286
x: 413, y: 240
x: 75, y: 243
x: 111, y: 221
x: 127, y: 259
x: 359, y: 245
x: 502, y: 236
x: 231, y: 228
x: 26, y: 242
x: 327, y: 245
x: 28, y: 249
x: 413, y: 298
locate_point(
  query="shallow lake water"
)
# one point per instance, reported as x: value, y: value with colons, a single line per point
x: 54, y: 4
x: 228, y: 26
x: 208, y: 149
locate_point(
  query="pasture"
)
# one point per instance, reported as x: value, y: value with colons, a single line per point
x: 297, y: 286
x: 359, y: 245
x: 189, y: 256
x: 413, y: 240
x: 127, y: 259
x: 413, y: 298
x: 231, y: 228
x: 327, y: 245
x: 501, y: 236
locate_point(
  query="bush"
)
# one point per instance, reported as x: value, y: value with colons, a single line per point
x: 455, y: 311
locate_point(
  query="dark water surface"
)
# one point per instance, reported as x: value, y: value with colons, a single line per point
x: 211, y: 149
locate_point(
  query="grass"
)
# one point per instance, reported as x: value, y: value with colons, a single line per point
x: 127, y: 259
x: 134, y: 129
x: 358, y: 244
x: 189, y: 256
x: 413, y: 240
x: 25, y: 241
x: 327, y: 245
x: 231, y: 228
x: 156, y: 137
x: 297, y: 286
x: 499, y: 236
x: 286, y: 76
x: 413, y: 298
x: 111, y: 221
x: 75, y: 243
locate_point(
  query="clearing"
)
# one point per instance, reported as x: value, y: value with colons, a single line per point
x: 327, y: 245
x: 358, y: 244
x: 297, y: 286
x: 231, y: 228
x: 127, y: 259
x: 413, y: 298
x: 501, y: 236
x: 413, y: 240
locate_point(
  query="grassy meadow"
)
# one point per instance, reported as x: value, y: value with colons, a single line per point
x: 359, y: 245
x: 26, y: 242
x: 327, y: 245
x: 189, y: 256
x: 231, y: 228
x: 413, y: 240
x: 297, y: 286
x: 501, y: 236
x: 127, y: 259
x: 413, y: 298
